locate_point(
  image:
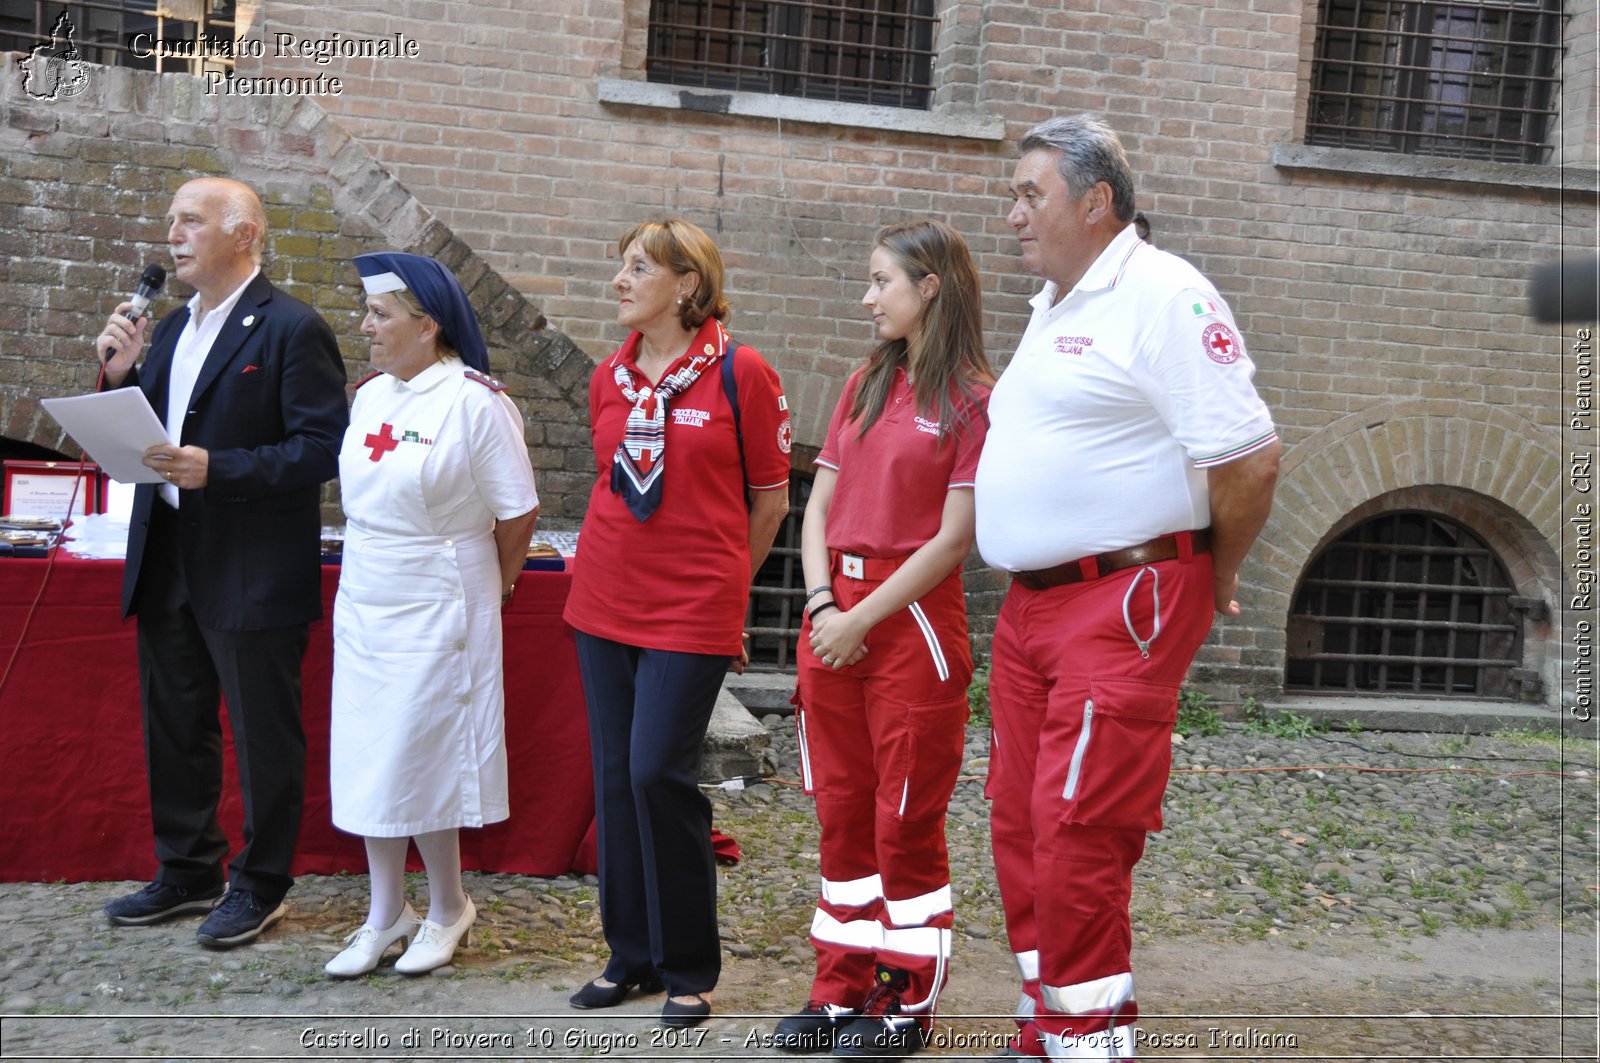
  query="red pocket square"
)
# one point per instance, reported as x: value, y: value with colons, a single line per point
x: 250, y: 369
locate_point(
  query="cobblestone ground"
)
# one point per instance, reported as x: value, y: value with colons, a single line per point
x: 1351, y: 897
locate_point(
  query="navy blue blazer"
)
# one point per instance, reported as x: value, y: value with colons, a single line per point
x: 270, y: 408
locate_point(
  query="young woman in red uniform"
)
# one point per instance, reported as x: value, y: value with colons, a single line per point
x: 883, y: 691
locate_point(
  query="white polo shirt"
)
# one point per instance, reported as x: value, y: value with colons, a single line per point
x: 1118, y: 398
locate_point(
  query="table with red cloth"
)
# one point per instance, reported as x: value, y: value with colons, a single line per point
x: 73, y: 799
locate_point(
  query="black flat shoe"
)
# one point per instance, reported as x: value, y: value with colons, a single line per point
x: 675, y: 1014
x: 594, y: 995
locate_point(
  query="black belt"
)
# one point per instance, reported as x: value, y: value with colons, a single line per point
x: 1161, y: 548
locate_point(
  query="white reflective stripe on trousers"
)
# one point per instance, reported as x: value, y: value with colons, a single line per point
x: 1102, y: 994
x: 863, y: 934
x: 853, y: 893
x: 916, y: 911
x: 940, y: 665
x: 1028, y: 964
x: 805, y: 750
x: 927, y: 941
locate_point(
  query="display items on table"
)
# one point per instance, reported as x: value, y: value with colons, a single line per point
x: 57, y: 490
x: 332, y: 544
x: 564, y: 543
x: 543, y: 554
x: 75, y: 775
x: 27, y: 533
x: 549, y: 551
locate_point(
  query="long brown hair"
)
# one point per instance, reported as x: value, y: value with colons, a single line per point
x: 945, y: 352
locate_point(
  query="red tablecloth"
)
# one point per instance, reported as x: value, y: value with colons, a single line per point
x: 73, y: 799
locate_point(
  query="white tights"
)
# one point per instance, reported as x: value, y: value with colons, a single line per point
x: 386, y: 867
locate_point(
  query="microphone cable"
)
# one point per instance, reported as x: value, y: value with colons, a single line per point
x: 50, y: 556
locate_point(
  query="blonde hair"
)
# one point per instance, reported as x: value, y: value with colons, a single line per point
x: 684, y: 247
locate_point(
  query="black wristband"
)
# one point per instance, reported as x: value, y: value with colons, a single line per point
x: 811, y: 614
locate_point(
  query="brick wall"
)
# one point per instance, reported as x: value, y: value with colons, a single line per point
x: 1362, y: 290
x: 84, y: 187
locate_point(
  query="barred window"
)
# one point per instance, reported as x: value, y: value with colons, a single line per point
x: 777, y: 595
x: 854, y: 51
x: 101, y: 31
x: 1410, y: 604
x: 1474, y: 79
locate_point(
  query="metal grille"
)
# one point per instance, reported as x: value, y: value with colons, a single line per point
x: 1409, y: 604
x: 103, y: 28
x: 1475, y: 79
x: 777, y: 598
x: 857, y: 51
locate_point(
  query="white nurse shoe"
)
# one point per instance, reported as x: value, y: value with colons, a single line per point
x: 366, y: 946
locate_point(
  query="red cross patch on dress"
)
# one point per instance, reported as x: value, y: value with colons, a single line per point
x: 382, y: 441
x: 1221, y: 344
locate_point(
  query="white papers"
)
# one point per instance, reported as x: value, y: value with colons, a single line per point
x: 98, y: 535
x: 118, y: 500
x: 116, y: 428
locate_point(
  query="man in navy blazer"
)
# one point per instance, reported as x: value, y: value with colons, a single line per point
x: 223, y: 558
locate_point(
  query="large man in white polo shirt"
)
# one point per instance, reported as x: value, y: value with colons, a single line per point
x: 1129, y: 466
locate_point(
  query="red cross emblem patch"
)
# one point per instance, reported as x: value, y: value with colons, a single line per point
x: 382, y: 441
x: 1221, y: 344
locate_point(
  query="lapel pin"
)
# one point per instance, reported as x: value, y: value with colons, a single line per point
x: 250, y: 319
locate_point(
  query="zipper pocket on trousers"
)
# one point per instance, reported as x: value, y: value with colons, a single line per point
x: 1076, y: 766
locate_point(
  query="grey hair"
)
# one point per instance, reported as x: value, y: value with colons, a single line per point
x: 240, y: 204
x: 1090, y: 153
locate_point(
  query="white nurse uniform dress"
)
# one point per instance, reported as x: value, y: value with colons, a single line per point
x: 417, y: 739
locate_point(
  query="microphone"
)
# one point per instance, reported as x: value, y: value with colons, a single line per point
x: 150, y: 283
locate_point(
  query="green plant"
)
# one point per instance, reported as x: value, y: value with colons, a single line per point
x: 978, y: 695
x: 1196, y: 716
x: 1259, y: 720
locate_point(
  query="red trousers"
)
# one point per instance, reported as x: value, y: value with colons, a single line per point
x: 1083, y: 690
x: 880, y: 748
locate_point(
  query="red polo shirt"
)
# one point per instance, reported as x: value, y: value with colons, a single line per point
x: 889, y: 499
x: 680, y: 580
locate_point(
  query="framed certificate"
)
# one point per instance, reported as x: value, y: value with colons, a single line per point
x: 45, y: 489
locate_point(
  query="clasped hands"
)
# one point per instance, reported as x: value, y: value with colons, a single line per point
x: 837, y: 637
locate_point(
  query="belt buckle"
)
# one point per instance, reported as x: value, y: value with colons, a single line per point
x: 853, y: 566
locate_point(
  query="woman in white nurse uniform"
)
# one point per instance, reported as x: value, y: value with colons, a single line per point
x: 440, y: 504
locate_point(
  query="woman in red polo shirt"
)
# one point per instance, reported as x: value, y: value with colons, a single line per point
x: 662, y: 578
x: 883, y: 693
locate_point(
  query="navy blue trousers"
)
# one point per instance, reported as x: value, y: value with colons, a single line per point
x: 648, y: 712
x: 183, y: 669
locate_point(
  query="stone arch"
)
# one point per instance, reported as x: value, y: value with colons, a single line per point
x: 1485, y: 466
x: 135, y: 136
x: 23, y: 420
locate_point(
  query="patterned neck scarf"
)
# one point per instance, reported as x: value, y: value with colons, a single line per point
x: 641, y: 456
